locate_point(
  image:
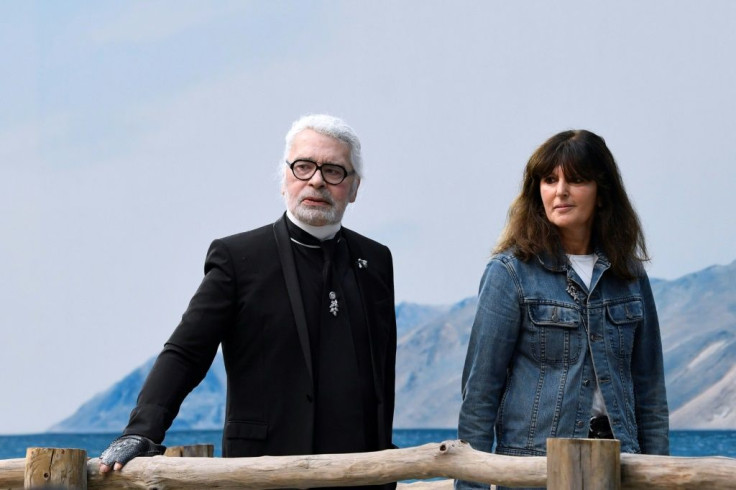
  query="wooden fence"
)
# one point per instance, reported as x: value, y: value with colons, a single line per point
x: 570, y: 464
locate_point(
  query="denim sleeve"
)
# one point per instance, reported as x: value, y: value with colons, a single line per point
x: 647, y: 369
x: 490, y: 349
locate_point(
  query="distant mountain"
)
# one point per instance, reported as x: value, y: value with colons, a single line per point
x: 105, y: 410
x: 108, y: 411
x: 429, y: 363
x: 411, y: 315
x: 697, y: 315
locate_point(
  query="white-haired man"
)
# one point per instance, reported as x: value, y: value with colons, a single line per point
x: 304, y: 311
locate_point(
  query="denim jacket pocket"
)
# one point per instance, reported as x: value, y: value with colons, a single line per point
x: 557, y: 331
x: 623, y: 319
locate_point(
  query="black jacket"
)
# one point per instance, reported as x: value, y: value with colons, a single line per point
x: 249, y: 301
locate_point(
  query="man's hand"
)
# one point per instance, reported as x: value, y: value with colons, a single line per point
x: 125, y: 448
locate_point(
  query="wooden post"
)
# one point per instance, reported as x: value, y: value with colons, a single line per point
x: 191, y: 451
x: 583, y: 464
x: 55, y: 468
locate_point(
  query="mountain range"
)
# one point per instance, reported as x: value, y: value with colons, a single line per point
x: 697, y: 314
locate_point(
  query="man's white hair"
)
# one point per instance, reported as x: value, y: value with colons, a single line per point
x: 329, y: 126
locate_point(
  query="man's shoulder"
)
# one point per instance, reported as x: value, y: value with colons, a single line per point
x: 254, y: 234
x: 364, y: 241
x: 253, y: 240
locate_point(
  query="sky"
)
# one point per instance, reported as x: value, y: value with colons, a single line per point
x: 134, y: 133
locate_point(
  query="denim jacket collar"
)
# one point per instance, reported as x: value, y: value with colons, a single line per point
x: 560, y: 263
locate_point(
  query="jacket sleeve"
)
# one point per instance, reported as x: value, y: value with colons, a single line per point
x: 647, y: 369
x: 490, y: 349
x: 390, y: 368
x: 190, y: 350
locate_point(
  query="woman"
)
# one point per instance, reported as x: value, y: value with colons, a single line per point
x: 566, y: 341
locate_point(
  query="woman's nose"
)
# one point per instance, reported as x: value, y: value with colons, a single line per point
x: 562, y: 189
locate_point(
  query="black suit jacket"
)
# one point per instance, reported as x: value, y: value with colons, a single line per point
x: 249, y: 301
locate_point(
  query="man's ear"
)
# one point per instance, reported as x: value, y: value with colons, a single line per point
x: 354, y: 190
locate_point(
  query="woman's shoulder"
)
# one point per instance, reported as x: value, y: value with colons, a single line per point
x: 511, y: 257
x: 513, y: 263
x: 505, y: 255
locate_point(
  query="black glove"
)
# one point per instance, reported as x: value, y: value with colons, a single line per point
x: 125, y: 448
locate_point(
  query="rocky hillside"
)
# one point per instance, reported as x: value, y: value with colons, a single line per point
x: 697, y: 316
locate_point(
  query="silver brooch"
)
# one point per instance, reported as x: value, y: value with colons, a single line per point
x: 362, y: 264
x: 572, y: 290
x: 333, y: 303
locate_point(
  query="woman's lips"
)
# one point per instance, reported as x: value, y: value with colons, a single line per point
x: 563, y: 207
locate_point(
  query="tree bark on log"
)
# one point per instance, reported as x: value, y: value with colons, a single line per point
x: 11, y: 473
x: 583, y: 464
x: 451, y: 459
x: 190, y: 451
x: 55, y: 468
x: 642, y: 472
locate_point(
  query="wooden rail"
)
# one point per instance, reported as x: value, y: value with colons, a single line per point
x: 570, y: 464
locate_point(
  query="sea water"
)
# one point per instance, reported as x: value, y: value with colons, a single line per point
x: 682, y: 443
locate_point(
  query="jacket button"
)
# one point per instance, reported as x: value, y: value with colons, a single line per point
x: 579, y: 423
x: 586, y: 382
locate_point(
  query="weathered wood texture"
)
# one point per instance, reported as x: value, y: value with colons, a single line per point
x: 451, y: 459
x: 191, y: 451
x: 11, y: 473
x: 583, y: 464
x: 644, y: 472
x: 55, y: 468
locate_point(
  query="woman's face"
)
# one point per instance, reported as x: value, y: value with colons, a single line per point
x: 569, y: 205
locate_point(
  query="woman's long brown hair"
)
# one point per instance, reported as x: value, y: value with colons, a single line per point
x: 616, y: 227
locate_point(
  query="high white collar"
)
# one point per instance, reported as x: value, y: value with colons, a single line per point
x: 322, y: 233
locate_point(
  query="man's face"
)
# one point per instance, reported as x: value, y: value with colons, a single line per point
x: 314, y: 201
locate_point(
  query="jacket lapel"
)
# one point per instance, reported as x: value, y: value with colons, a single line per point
x: 361, y: 278
x: 283, y: 243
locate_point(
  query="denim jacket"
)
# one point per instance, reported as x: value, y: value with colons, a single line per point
x: 540, y: 340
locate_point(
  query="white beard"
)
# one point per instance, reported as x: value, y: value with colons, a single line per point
x: 315, y: 216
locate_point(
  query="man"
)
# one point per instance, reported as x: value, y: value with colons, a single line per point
x: 304, y: 311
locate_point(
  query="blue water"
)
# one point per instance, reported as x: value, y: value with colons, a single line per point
x: 682, y: 443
